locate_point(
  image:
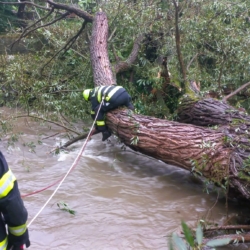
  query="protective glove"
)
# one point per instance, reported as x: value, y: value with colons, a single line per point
x: 18, y: 247
x: 18, y: 242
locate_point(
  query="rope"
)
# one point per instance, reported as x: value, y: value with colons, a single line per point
x: 70, y: 169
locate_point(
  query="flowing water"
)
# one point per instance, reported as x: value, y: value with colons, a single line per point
x: 122, y: 199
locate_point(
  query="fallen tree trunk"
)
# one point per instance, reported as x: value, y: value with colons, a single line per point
x: 200, y: 150
x: 209, y: 112
x: 233, y: 123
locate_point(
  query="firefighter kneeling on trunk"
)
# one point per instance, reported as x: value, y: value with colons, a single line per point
x: 113, y: 97
x: 13, y: 212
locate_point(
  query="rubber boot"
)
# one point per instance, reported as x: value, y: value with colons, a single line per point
x: 105, y: 135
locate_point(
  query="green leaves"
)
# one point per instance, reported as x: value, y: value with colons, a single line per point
x: 178, y: 242
x: 64, y: 206
x: 188, y: 234
x: 199, y: 234
x: 218, y: 242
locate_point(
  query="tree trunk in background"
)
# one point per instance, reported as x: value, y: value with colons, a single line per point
x: 21, y: 8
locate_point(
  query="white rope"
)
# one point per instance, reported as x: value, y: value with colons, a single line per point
x: 73, y: 164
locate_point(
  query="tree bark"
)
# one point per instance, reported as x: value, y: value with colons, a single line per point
x: 101, y: 66
x: 208, y: 112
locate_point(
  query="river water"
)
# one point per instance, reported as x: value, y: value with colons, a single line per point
x: 122, y: 200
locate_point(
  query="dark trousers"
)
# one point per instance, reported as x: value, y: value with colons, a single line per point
x: 3, y: 233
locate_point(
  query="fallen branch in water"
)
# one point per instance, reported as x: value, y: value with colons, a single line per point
x: 235, y: 238
x: 44, y: 119
x: 227, y: 227
x: 75, y: 139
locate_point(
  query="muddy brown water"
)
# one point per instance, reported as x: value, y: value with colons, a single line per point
x: 122, y: 199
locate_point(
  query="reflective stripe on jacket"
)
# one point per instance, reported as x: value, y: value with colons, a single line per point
x: 19, y: 230
x: 3, y: 244
x: 6, y: 183
x: 100, y: 123
x: 105, y: 91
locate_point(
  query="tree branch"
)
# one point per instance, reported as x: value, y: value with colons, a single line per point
x: 24, y: 32
x: 191, y: 61
x: 75, y: 139
x: 125, y: 65
x: 85, y: 15
x: 25, y: 2
x: 66, y: 47
x: 240, y: 238
x: 43, y: 119
x: 236, y: 91
x: 228, y: 227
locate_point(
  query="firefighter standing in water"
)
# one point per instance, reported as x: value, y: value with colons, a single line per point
x: 113, y: 97
x: 13, y: 212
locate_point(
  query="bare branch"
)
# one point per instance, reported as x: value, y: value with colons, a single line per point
x: 85, y: 15
x: 24, y: 32
x: 48, y: 24
x: 75, y: 139
x: 240, y: 238
x: 236, y: 91
x: 191, y: 61
x: 125, y: 65
x: 228, y: 227
x: 46, y: 120
x: 111, y: 36
x: 25, y: 2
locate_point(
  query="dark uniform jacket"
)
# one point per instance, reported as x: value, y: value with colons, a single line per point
x: 13, y: 212
x: 112, y: 96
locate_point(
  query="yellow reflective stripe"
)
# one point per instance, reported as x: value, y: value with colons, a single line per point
x: 112, y: 92
x: 100, y: 123
x: 19, y: 230
x: 106, y: 90
x: 93, y: 93
x: 99, y: 94
x: 92, y: 112
x: 3, y: 244
x: 6, y: 183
